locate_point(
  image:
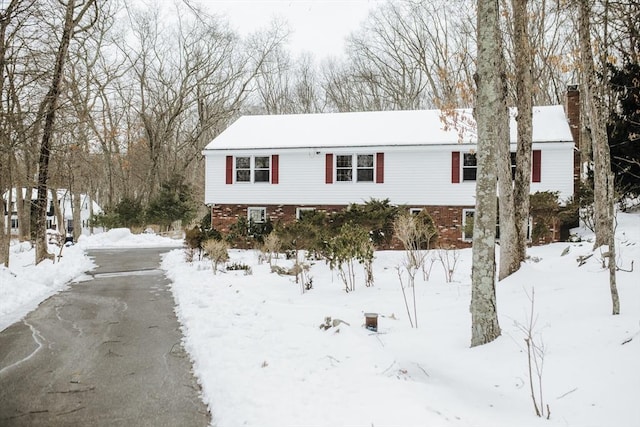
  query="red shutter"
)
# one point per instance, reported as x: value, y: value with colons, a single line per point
x: 379, y: 168
x: 229, y: 169
x: 455, y: 167
x: 275, y: 173
x: 537, y: 159
x: 328, y: 169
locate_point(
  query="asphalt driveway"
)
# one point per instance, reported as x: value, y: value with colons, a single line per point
x: 106, y: 352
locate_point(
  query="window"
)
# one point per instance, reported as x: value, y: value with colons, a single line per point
x: 253, y: 169
x: 256, y: 215
x: 14, y: 223
x: 301, y: 212
x: 364, y: 168
x: 243, y: 169
x: 468, y: 216
x: 469, y: 167
x: 261, y: 173
x: 344, y: 168
x: 415, y: 211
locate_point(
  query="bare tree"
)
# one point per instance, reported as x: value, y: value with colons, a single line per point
x: 7, y: 14
x: 509, y: 261
x: 524, y: 118
x: 411, y: 55
x: 593, y: 104
x: 73, y: 22
x: 490, y: 94
x: 188, y: 80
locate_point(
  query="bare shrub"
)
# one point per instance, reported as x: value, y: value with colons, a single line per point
x: 535, y: 360
x: 449, y: 260
x: 271, y: 246
x: 427, y: 266
x: 217, y: 251
x: 415, y: 232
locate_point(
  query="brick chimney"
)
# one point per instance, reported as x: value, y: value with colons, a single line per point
x: 572, y: 110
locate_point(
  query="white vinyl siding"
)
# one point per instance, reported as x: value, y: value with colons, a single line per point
x: 418, y: 176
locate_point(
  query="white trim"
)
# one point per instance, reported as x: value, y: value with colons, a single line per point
x: 303, y: 209
x: 263, y: 214
x: 252, y: 169
x: 354, y: 167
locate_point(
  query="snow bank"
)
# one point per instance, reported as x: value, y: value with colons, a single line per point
x: 123, y: 238
x: 23, y: 286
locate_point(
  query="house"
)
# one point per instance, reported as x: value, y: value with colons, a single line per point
x: 88, y: 207
x: 277, y: 166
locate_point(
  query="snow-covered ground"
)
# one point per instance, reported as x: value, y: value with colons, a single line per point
x: 262, y: 359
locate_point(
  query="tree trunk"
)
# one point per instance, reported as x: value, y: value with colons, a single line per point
x: 484, y: 318
x: 524, y: 103
x: 5, y: 206
x: 509, y: 262
x: 603, y: 191
x: 23, y: 208
x: 76, y: 207
x: 58, y: 211
x: 594, y: 112
x: 6, y: 183
x: 50, y: 106
x: 90, y: 198
x: 613, y: 287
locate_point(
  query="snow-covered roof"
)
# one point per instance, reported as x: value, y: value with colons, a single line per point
x: 377, y: 128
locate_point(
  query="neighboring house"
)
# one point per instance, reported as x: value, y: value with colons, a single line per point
x: 280, y: 165
x: 65, y: 202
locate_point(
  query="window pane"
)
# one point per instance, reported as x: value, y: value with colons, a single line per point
x: 262, y: 162
x: 343, y: 175
x: 365, y: 161
x: 243, y: 175
x: 256, y: 215
x: 343, y: 161
x: 262, y: 175
x: 470, y: 159
x: 243, y: 162
x: 469, y: 174
x: 365, y: 175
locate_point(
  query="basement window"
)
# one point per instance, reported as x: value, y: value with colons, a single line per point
x: 301, y: 212
x: 256, y: 215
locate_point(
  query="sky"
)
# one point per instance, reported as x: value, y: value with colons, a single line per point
x: 318, y: 26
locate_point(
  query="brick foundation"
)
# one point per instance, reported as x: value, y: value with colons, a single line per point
x: 448, y: 219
